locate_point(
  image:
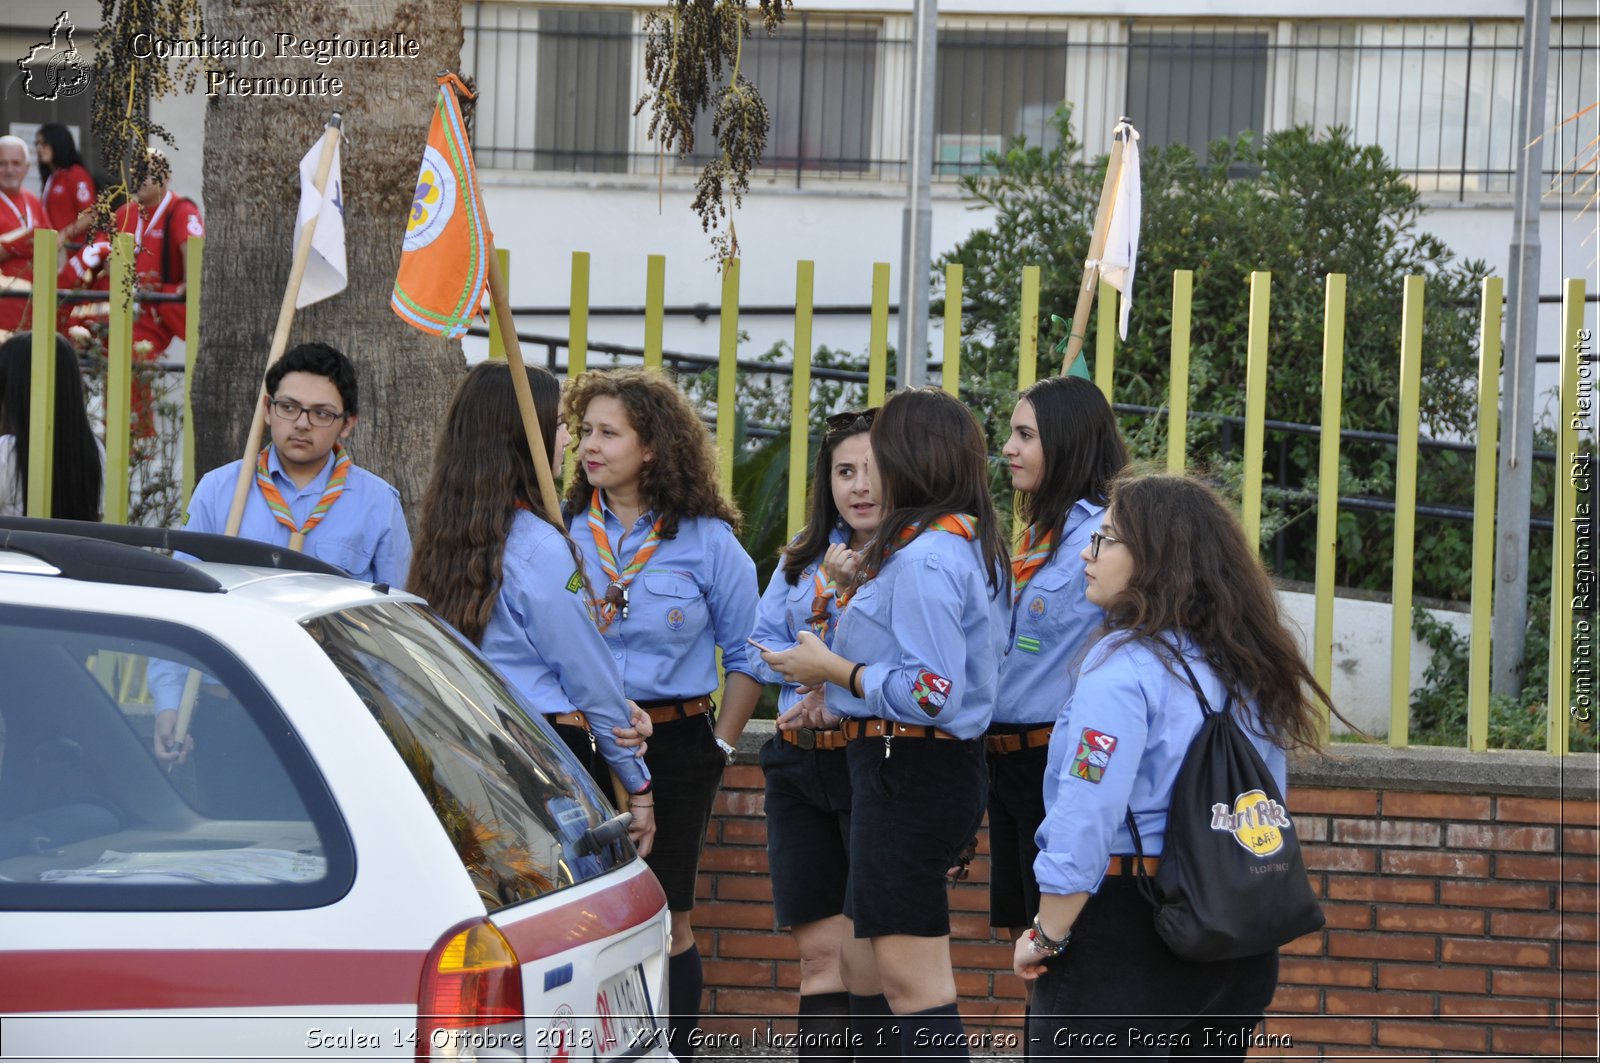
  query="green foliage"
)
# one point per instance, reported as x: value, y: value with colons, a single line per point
x: 1298, y: 205
x: 1439, y: 706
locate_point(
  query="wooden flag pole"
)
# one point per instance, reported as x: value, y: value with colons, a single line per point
x: 501, y: 302
x: 1097, y: 247
x: 280, y: 336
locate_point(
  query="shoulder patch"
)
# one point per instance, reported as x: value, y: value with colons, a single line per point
x: 1093, y: 756
x: 930, y: 691
x: 575, y: 584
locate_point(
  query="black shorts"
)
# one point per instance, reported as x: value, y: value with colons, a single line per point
x: 685, y: 771
x: 1016, y: 808
x: 910, y: 814
x: 808, y: 830
x: 1118, y: 991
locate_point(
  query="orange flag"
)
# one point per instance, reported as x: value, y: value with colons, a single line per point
x: 444, y: 263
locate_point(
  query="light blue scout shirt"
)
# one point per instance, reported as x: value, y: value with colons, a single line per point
x: 698, y: 592
x: 364, y: 532
x: 782, y: 615
x: 930, y: 631
x: 542, y: 639
x: 1049, y: 624
x: 1118, y: 745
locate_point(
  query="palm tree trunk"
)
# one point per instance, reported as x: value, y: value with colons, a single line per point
x: 253, y: 147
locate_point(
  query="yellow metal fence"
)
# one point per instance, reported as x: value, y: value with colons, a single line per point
x: 1575, y: 415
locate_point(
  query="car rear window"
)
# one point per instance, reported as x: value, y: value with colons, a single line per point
x: 91, y: 819
x: 516, y: 805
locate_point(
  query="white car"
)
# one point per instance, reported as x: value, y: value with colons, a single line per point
x: 372, y: 849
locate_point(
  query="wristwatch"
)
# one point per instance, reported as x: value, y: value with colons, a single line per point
x: 727, y: 750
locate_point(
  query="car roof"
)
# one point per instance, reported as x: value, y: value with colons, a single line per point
x: 37, y: 559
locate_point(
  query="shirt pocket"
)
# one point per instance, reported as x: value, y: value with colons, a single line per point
x: 1049, y: 601
x: 350, y: 555
x: 671, y: 604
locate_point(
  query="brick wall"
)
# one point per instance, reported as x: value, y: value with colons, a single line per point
x: 1459, y: 923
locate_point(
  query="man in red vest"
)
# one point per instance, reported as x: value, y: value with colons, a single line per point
x: 20, y: 213
x: 161, y: 222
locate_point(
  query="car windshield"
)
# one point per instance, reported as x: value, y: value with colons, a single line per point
x: 515, y: 804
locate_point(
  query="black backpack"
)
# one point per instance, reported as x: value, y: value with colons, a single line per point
x: 1231, y: 881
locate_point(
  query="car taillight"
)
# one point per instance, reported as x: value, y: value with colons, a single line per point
x: 471, y: 990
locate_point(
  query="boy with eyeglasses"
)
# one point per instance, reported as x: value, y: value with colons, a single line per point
x: 308, y: 495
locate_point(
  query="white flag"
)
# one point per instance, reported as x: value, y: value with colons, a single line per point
x: 1122, y: 238
x: 326, y: 273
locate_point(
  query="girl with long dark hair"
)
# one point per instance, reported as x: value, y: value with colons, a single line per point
x: 1182, y: 588
x: 77, y: 474
x: 807, y: 802
x: 1063, y: 452
x: 501, y: 570
x: 914, y: 671
x: 673, y: 586
x: 65, y: 186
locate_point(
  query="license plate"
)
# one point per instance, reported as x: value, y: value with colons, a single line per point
x: 627, y: 1023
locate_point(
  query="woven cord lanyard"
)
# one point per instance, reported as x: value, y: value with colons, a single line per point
x: 826, y: 590
x: 615, y: 601
x: 280, y: 508
x: 1029, y: 559
x: 961, y: 524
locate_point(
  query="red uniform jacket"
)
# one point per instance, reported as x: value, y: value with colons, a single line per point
x: 20, y: 214
x: 158, y: 260
x: 67, y: 193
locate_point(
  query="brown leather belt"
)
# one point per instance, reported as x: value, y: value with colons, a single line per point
x: 1129, y: 865
x: 1016, y: 743
x: 571, y: 719
x: 854, y: 729
x: 667, y: 711
x: 806, y: 738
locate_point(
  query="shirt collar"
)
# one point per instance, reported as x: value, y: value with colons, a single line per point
x: 319, y: 483
x: 608, y: 513
x: 1081, y: 510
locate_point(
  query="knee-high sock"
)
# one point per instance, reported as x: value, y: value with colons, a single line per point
x: 825, y: 1027
x: 684, y: 983
x: 872, y: 1028
x: 933, y: 1034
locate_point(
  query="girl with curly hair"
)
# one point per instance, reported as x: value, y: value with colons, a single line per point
x: 1190, y: 611
x: 913, y: 672
x: 674, y: 585
x: 502, y: 571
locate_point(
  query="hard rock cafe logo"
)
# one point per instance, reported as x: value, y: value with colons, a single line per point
x: 1256, y: 822
x: 54, y: 69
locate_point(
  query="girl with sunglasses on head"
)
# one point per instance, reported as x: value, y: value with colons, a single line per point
x: 1063, y: 452
x: 501, y: 570
x: 913, y: 671
x: 674, y: 585
x: 807, y: 778
x: 1184, y: 593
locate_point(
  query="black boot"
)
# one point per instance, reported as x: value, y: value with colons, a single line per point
x: 933, y: 1034
x: 684, y: 983
x: 825, y: 1027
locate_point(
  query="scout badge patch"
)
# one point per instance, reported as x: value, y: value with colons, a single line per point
x: 930, y: 691
x: 1094, y: 755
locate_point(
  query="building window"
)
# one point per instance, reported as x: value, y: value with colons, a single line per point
x: 1193, y: 86
x: 820, y: 83
x: 556, y: 87
x: 994, y: 85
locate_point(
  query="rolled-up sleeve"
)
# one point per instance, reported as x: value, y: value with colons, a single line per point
x: 1101, y: 738
x: 925, y: 685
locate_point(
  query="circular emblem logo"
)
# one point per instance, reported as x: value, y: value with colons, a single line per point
x: 560, y: 1040
x: 1036, y: 607
x: 675, y: 618
x: 1256, y: 819
x: 433, y: 202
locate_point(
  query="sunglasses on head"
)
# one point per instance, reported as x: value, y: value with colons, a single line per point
x: 860, y: 420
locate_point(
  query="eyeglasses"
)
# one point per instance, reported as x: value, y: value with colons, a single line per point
x: 290, y: 411
x: 860, y: 420
x: 1095, y: 539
